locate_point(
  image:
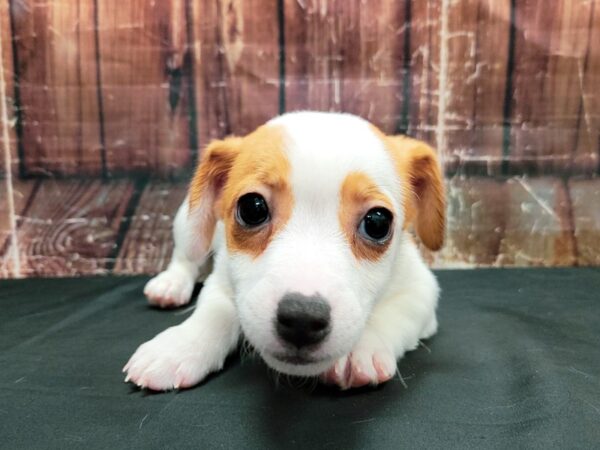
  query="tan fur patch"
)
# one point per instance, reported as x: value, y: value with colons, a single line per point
x: 207, y: 185
x: 261, y: 166
x: 233, y: 167
x: 359, y: 194
x: 424, y: 198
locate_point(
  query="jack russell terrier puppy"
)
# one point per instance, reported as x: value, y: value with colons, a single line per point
x: 308, y: 220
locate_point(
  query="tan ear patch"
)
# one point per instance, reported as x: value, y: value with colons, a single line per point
x: 424, y: 195
x: 262, y: 166
x: 358, y: 194
x: 212, y: 171
x: 205, y: 191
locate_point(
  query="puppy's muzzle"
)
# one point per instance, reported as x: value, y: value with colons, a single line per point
x: 301, y: 320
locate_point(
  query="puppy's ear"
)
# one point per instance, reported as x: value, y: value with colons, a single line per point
x: 424, y: 196
x: 205, y: 193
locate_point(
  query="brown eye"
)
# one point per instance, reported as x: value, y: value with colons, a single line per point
x: 252, y: 210
x: 376, y: 225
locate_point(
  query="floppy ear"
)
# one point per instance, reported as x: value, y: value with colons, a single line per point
x: 205, y: 192
x: 425, y: 201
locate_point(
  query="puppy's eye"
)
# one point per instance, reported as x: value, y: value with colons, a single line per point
x: 376, y: 225
x: 252, y: 210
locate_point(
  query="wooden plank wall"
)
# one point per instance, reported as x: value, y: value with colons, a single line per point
x: 115, y: 100
x: 145, y: 77
x: 8, y: 141
x: 500, y: 87
x: 341, y: 56
x: 236, y: 57
x: 55, y: 67
x: 550, y: 50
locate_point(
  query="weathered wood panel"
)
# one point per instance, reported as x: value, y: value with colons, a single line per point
x: 478, y: 46
x: 586, y: 158
x: 459, y: 56
x: 71, y: 227
x: 343, y: 56
x: 148, y: 244
x: 7, y: 123
x: 145, y: 75
x: 550, y: 49
x: 425, y: 64
x: 56, y: 67
x: 585, y: 200
x: 457, y: 73
x: 476, y: 222
x: 514, y: 222
x: 10, y: 266
x: 21, y: 194
x: 7, y: 138
x: 538, y: 230
x: 236, y: 65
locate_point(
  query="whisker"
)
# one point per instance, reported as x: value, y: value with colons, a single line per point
x: 424, y: 346
x: 401, y: 378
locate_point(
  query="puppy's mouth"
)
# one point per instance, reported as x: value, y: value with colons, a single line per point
x: 297, y: 358
x: 297, y: 362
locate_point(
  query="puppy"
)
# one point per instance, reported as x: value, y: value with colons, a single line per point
x: 308, y: 220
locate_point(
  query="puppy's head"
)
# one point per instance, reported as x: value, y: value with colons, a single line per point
x: 314, y: 207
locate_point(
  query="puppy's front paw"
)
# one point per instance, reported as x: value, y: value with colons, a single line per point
x: 172, y: 360
x: 170, y: 288
x: 367, y: 364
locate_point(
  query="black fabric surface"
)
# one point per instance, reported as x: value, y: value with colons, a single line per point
x: 515, y: 364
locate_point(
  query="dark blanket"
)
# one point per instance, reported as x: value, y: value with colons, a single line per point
x: 516, y: 362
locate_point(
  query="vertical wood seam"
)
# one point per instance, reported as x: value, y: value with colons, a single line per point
x: 126, y: 220
x: 13, y: 249
x: 281, y: 42
x: 99, y: 100
x: 17, y: 94
x: 463, y: 167
x: 504, y: 167
x: 581, y: 89
x: 571, y: 221
x: 192, y: 111
x: 224, y: 73
x: 443, y: 92
x: 403, y: 123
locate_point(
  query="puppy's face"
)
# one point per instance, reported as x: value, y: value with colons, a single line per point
x: 314, y: 207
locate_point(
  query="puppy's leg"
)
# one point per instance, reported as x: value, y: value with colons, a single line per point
x: 404, y: 315
x: 183, y: 355
x: 174, y: 286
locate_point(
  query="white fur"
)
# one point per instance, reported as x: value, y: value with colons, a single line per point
x: 379, y: 310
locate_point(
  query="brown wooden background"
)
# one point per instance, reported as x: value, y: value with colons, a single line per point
x: 107, y: 103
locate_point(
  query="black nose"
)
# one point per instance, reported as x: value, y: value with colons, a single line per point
x: 302, y: 320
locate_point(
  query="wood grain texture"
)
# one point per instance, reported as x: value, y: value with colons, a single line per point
x: 551, y: 44
x: 476, y: 222
x: 425, y: 32
x: 478, y: 46
x: 22, y: 193
x: 455, y: 123
x: 236, y: 62
x: 538, y: 230
x: 71, y: 227
x: 586, y: 158
x: 585, y: 200
x: 145, y: 75
x: 459, y: 56
x: 56, y: 66
x: 343, y: 56
x: 6, y: 65
x: 148, y: 244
